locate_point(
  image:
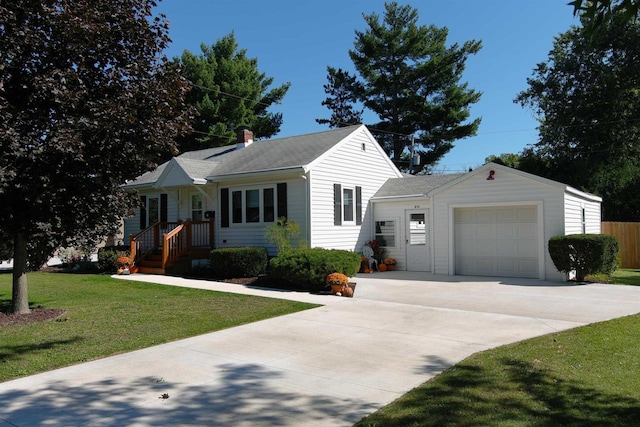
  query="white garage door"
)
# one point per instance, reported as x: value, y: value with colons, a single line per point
x: 496, y: 241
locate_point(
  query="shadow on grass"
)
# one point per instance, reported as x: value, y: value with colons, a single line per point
x: 229, y: 394
x: 470, y: 395
x: 9, y: 352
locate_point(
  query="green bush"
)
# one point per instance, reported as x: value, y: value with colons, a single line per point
x: 308, y: 268
x: 108, y: 255
x: 230, y: 263
x: 584, y: 253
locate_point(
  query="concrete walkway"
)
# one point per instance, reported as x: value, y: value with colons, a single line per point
x: 329, y: 366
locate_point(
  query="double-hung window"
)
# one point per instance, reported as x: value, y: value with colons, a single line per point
x: 253, y: 205
x: 347, y: 202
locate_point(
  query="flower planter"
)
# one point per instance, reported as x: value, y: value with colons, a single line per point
x: 391, y: 267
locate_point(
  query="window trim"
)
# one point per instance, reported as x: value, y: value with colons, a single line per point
x: 338, y: 204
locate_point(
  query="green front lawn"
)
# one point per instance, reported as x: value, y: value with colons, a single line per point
x: 585, y: 376
x: 107, y: 316
x: 622, y: 276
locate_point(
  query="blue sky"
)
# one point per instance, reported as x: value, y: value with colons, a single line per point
x: 295, y: 40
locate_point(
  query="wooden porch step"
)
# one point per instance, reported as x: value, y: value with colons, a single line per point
x: 152, y: 270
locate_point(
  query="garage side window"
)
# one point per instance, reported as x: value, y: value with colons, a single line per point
x: 386, y: 233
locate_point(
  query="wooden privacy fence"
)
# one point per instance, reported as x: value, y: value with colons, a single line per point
x: 628, y: 234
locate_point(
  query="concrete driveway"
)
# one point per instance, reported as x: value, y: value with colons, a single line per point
x: 329, y: 366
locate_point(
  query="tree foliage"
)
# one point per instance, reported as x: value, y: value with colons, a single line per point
x: 587, y: 100
x: 229, y: 91
x: 87, y: 101
x: 343, y: 90
x: 410, y: 79
x: 511, y: 160
x: 596, y: 13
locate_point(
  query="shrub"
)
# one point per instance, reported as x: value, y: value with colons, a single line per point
x: 584, y: 253
x: 230, y: 263
x: 107, y: 257
x: 308, y: 268
x: 282, y: 233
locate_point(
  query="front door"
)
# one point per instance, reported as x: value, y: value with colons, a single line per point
x: 417, y: 240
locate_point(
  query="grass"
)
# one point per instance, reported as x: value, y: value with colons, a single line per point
x: 622, y: 276
x: 107, y: 316
x: 584, y: 376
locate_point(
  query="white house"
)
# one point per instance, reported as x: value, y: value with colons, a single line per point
x: 323, y: 181
x: 494, y: 221
x: 343, y: 190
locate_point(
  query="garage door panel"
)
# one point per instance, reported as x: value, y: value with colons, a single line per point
x: 485, y: 216
x: 506, y: 231
x: 505, y: 215
x: 497, y: 241
x: 527, y: 248
x: 485, y: 231
x: 527, y: 231
x: 527, y: 214
x: 506, y: 248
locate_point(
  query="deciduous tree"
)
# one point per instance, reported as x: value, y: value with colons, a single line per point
x: 411, y: 80
x: 229, y: 91
x: 587, y: 100
x: 87, y: 101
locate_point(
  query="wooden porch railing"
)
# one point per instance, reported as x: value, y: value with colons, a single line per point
x: 174, y: 239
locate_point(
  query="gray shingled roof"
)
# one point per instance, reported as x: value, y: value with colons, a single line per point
x: 148, y: 178
x: 196, y: 169
x: 418, y: 185
x: 206, y: 153
x: 281, y: 153
x: 273, y: 154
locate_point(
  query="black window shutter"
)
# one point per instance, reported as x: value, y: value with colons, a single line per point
x: 337, y: 204
x: 143, y: 212
x: 224, y: 207
x: 164, y: 217
x: 282, y: 200
x: 358, y: 205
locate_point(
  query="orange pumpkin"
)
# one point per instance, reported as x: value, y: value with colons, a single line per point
x: 382, y: 267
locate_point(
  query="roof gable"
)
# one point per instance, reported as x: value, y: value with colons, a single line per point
x: 486, y: 168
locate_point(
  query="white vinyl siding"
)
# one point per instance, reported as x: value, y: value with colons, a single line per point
x: 574, y: 206
x: 394, y: 211
x: 253, y: 234
x: 350, y: 166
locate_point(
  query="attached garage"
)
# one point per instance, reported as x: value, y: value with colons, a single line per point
x: 494, y: 221
x: 497, y: 241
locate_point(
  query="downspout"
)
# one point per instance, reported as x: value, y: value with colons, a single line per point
x: 307, y: 208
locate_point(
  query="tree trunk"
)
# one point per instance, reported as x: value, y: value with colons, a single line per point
x: 20, y: 298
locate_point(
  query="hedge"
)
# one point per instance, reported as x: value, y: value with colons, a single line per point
x: 584, y: 253
x: 249, y: 261
x: 308, y: 268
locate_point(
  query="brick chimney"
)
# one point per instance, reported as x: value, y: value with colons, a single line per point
x: 245, y: 137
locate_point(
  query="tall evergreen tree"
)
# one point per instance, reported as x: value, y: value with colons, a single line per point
x: 587, y: 100
x: 87, y: 101
x: 343, y: 90
x: 410, y: 79
x: 228, y: 92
